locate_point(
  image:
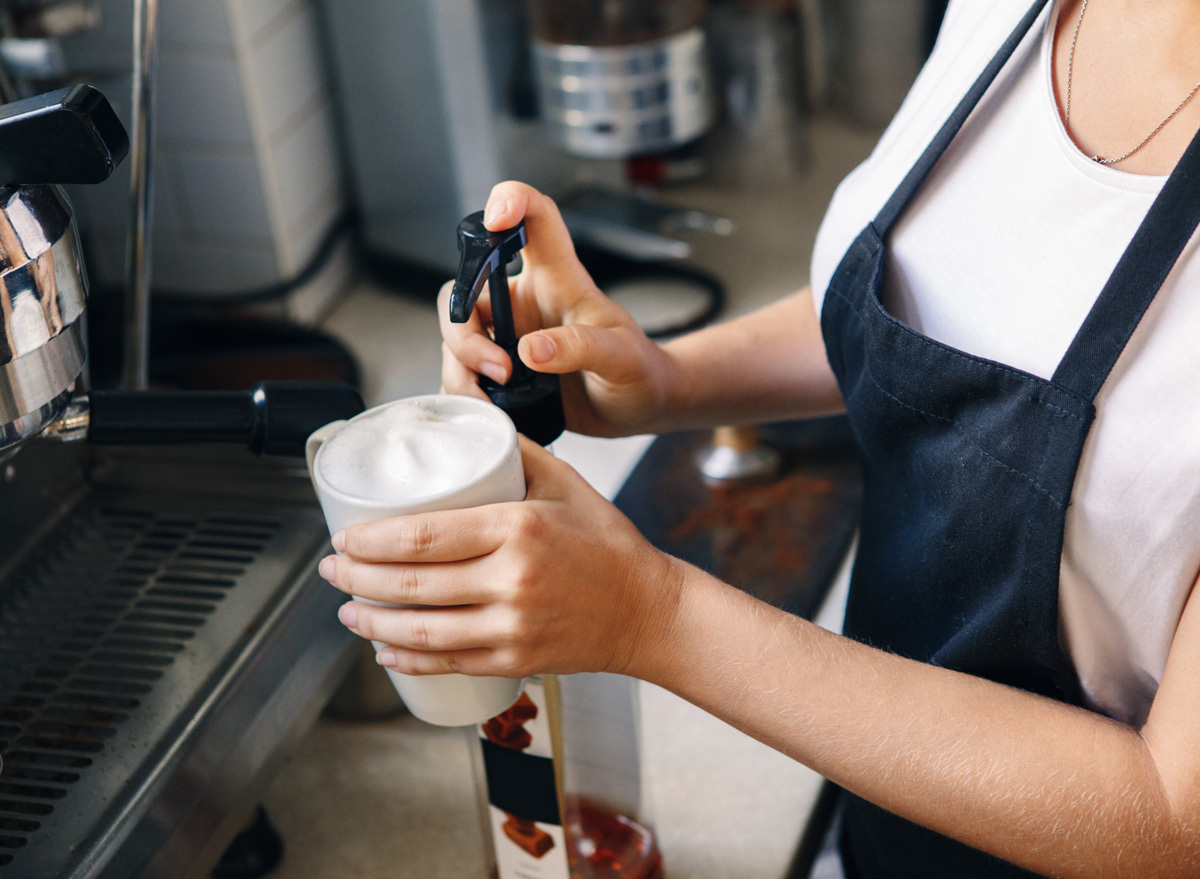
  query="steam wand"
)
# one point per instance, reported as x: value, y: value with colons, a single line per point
x: 136, y: 365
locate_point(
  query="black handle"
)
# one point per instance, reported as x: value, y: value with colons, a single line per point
x: 533, y: 400
x: 484, y: 256
x: 272, y: 418
x: 67, y: 136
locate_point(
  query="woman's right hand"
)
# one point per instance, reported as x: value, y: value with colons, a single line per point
x: 615, y: 381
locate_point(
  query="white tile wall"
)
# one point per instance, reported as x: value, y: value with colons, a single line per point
x: 170, y: 207
x: 106, y: 206
x: 286, y: 68
x: 196, y: 24
x: 248, y: 177
x: 311, y: 185
x: 197, y: 266
x: 116, y: 21
x: 205, y: 266
x: 259, y: 14
x: 289, y: 100
x: 223, y: 195
x: 200, y: 101
x: 104, y: 255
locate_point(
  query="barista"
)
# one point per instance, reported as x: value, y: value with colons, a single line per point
x: 1005, y: 304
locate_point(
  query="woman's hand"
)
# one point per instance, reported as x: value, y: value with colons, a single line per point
x: 615, y: 380
x: 560, y: 582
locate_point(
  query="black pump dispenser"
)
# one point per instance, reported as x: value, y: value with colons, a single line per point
x: 533, y: 400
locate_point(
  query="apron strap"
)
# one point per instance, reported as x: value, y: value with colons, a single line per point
x: 1153, y: 252
x: 916, y: 176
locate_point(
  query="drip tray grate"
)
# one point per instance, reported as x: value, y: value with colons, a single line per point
x: 113, y: 631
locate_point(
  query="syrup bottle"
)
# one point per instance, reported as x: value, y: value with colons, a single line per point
x: 560, y: 783
x: 559, y: 772
x: 604, y: 805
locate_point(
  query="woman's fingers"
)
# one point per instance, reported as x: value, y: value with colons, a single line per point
x: 446, y: 536
x: 549, y: 241
x: 446, y: 585
x: 611, y: 353
x: 546, y: 478
x: 482, y: 661
x: 428, y: 630
x: 469, y: 343
x: 559, y: 582
x: 457, y: 378
x: 464, y: 640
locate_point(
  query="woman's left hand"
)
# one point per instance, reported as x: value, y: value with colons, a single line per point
x: 560, y: 582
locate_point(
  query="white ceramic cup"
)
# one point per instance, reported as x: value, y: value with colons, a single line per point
x: 449, y: 699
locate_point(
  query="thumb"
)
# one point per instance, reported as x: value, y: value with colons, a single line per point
x: 610, y: 352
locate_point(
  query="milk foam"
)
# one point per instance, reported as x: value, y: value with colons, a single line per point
x: 411, y: 450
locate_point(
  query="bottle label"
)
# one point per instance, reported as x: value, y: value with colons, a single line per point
x: 526, y: 821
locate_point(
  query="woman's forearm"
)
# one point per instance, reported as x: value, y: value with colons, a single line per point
x: 1058, y: 790
x: 768, y: 365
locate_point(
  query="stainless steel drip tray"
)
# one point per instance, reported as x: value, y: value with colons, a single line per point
x: 163, y: 640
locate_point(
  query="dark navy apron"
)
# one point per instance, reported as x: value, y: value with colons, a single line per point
x: 968, y: 466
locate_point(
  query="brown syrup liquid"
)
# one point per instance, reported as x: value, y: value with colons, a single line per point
x: 603, y: 844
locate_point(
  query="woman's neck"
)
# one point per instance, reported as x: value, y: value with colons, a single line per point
x: 1135, y: 61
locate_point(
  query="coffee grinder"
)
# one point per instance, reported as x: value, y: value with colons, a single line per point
x: 620, y: 79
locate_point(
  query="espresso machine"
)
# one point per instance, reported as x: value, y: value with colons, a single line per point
x: 163, y: 637
x: 73, y: 136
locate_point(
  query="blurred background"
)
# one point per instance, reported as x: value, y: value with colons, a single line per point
x: 301, y: 146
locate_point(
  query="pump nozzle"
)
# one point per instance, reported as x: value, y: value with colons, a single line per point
x: 483, y: 254
x: 532, y: 399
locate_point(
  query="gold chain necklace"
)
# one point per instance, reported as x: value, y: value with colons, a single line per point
x: 1067, y: 115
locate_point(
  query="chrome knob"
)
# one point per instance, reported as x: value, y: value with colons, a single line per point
x: 737, y: 454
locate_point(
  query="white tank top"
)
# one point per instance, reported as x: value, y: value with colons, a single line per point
x: 1002, y: 254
